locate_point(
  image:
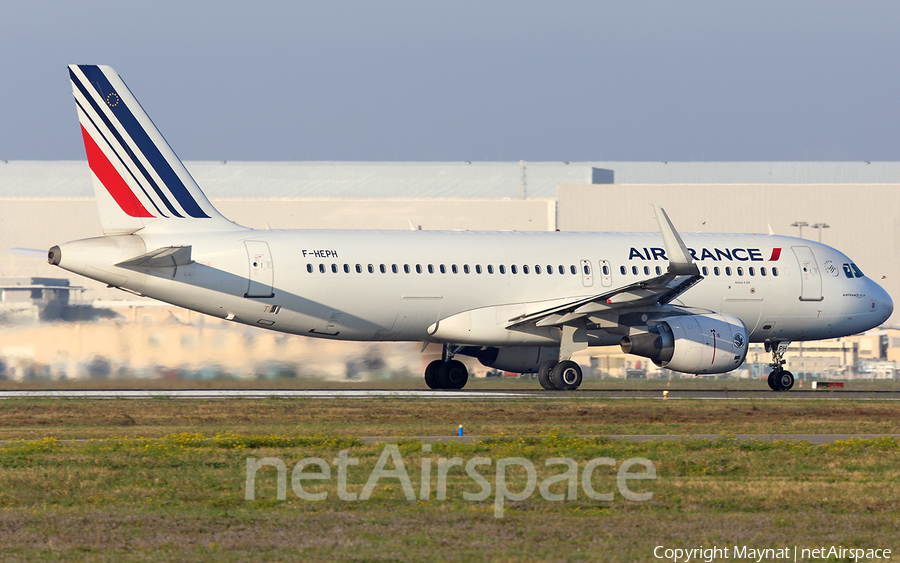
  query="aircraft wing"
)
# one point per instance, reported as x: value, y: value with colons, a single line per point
x: 660, y: 290
x: 682, y: 274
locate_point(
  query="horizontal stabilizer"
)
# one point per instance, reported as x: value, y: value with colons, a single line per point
x: 29, y: 252
x: 168, y: 257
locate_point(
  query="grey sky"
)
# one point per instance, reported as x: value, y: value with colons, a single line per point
x: 467, y: 80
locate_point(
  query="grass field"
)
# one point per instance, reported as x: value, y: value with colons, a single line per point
x: 165, y: 480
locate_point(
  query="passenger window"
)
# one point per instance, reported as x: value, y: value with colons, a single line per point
x: 537, y: 269
x: 622, y: 270
x: 727, y: 270
x: 525, y: 269
x: 418, y: 268
x: 775, y: 272
x: 309, y: 268
x: 605, y: 270
x: 751, y: 271
x: 705, y: 271
x: 502, y: 269
x: 454, y: 269
x: 740, y: 271
x: 321, y: 268
x: 334, y: 268
x: 513, y: 269
x: 406, y: 268
x: 490, y: 269
x: 646, y: 270
x: 371, y: 268
x: 716, y: 270
x: 856, y: 271
x: 382, y: 268
x: 573, y: 270
x: 549, y: 269
x: 443, y: 269
x: 430, y: 268
x: 562, y: 270
x: 394, y: 268
x: 477, y: 268
x: 658, y: 271
x: 634, y: 270
x: 587, y: 269
x: 346, y: 268
x: 359, y: 268
x: 847, y: 271
x: 465, y: 268
x: 762, y: 272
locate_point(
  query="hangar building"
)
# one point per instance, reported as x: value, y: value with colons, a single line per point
x: 853, y: 205
x: 849, y: 205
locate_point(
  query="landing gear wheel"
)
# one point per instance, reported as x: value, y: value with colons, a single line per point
x: 431, y: 371
x: 544, y: 376
x: 452, y: 375
x: 779, y: 379
x: 566, y: 375
x: 785, y: 381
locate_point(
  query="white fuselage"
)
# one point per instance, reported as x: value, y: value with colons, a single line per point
x: 398, y: 285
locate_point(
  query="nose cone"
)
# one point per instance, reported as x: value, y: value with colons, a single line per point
x: 884, y: 305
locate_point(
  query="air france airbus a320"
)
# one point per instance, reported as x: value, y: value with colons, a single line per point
x: 517, y: 301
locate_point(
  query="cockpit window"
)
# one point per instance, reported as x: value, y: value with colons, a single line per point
x: 847, y: 271
x: 856, y: 271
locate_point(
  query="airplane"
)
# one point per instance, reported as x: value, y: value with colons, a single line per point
x: 517, y: 301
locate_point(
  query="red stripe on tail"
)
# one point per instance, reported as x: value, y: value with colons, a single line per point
x: 111, y: 180
x: 776, y: 254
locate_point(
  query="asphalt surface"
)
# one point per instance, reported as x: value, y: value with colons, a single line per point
x: 673, y: 394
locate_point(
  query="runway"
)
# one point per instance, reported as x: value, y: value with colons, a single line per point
x: 466, y: 394
x: 817, y: 439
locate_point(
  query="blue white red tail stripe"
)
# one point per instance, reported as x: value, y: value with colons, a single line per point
x: 145, y: 145
x: 109, y: 176
x: 119, y: 149
x: 138, y: 179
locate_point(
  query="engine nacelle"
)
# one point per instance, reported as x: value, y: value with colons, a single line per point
x: 714, y: 343
x: 517, y: 359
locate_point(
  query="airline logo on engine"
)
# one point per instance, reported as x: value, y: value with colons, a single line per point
x: 715, y: 254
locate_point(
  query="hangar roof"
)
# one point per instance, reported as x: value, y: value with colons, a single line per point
x: 443, y: 179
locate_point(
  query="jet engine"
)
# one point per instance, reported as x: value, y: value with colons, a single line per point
x: 517, y: 359
x: 713, y: 343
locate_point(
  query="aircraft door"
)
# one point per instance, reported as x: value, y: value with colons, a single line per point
x: 262, y: 273
x: 605, y: 273
x: 810, y: 279
x: 587, y: 274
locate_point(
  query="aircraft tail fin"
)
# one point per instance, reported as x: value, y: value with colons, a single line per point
x: 139, y: 181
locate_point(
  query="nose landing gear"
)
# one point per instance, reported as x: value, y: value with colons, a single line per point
x: 780, y: 379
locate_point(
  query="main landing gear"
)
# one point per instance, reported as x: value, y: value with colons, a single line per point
x: 447, y: 373
x: 780, y: 379
x: 560, y: 376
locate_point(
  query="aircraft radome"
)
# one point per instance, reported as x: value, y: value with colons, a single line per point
x: 517, y: 301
